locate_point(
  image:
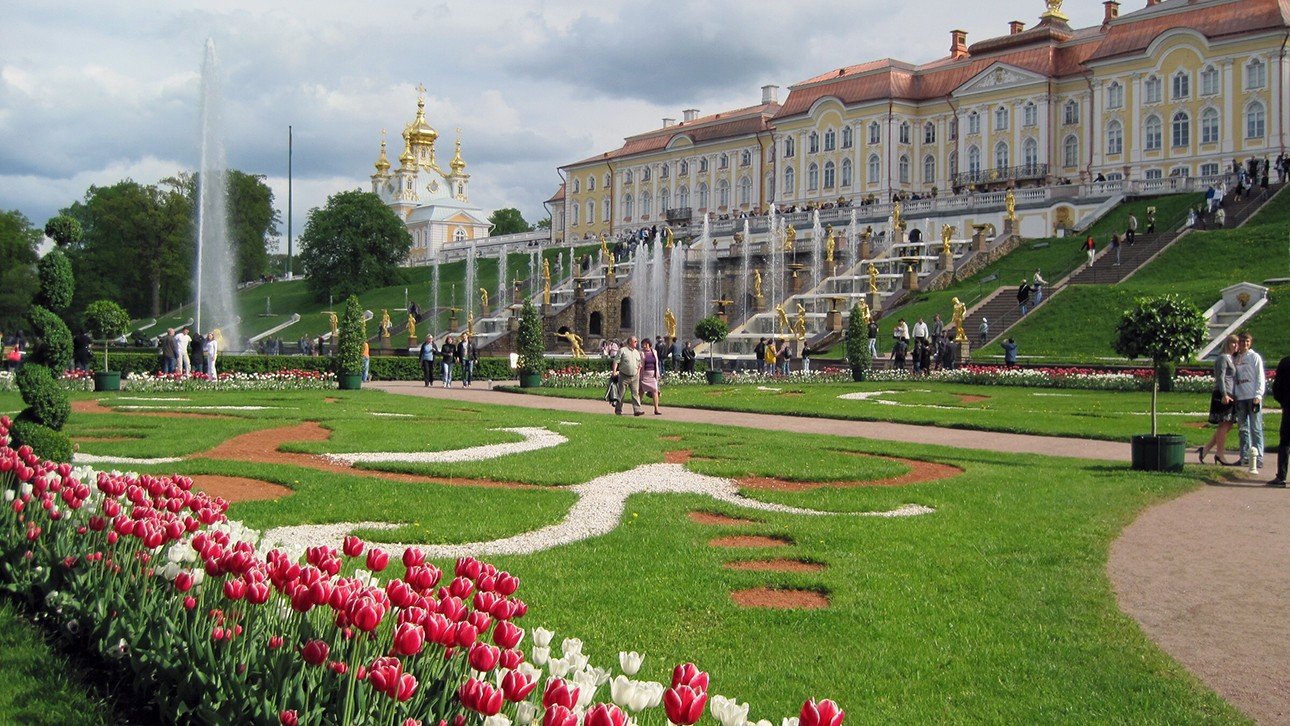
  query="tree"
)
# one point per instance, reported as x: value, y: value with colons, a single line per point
x: 508, y: 221
x: 64, y: 230
x: 858, y: 345
x: 1166, y: 329
x: 530, y: 341
x: 352, y: 244
x: 18, y: 243
x: 106, y: 321
x: 711, y: 330
x: 252, y: 219
x: 352, y: 331
x: 56, y: 284
x: 543, y: 224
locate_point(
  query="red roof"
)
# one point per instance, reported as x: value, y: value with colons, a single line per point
x: 1132, y: 33
x: 717, y: 126
x: 558, y: 196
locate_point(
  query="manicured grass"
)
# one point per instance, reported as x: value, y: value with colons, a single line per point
x: 40, y: 685
x: 995, y: 608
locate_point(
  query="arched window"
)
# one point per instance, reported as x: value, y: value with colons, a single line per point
x: 974, y: 160
x: 830, y: 140
x: 1114, y: 138
x: 812, y: 177
x: 1209, y: 81
x: 647, y: 204
x: 1030, y: 155
x: 1115, y: 95
x: 723, y: 161
x: 1070, y: 151
x: 846, y: 137
x: 1256, y: 74
x: 874, y: 173
x: 459, y: 235
x: 745, y: 191
x: 904, y: 132
x: 685, y: 168
x: 769, y: 186
x: 929, y: 169
x: 954, y: 166
x: 875, y: 133
x: 1001, y: 118
x: 1071, y: 113
x: 789, y: 181
x: 788, y: 147
x: 954, y: 128
x: 1151, y: 88
x: 1209, y: 126
x: 664, y: 200
x: 723, y: 194
x: 1001, y: 160
x: 904, y: 169
x: 813, y: 143
x: 974, y: 123
x: 846, y: 172
x: 829, y: 174
x: 1255, y: 121
x: 1153, y: 133
x: 596, y: 324
x: 573, y: 214
x: 703, y: 195
x: 1181, y: 85
x: 591, y: 182
x: 1181, y: 125
x: 629, y: 207
x: 1030, y: 114
x: 683, y: 197
x: 591, y: 212
x: 625, y: 312
x: 664, y: 171
x: 577, y: 186
x: 645, y: 173
x: 606, y: 214
x: 703, y: 164
x: 627, y: 177
x: 929, y: 133
x: 745, y: 158
x: 609, y: 180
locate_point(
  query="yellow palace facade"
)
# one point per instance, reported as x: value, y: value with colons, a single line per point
x: 1172, y: 88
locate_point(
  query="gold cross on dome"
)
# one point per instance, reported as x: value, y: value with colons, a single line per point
x: 421, y: 89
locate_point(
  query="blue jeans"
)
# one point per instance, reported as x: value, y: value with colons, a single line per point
x: 167, y: 365
x: 1039, y: 294
x: 467, y: 372
x: 446, y: 367
x: 1250, y: 419
x: 367, y: 367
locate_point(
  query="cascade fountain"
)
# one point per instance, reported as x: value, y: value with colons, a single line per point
x: 503, y: 294
x: 745, y: 265
x: 658, y: 285
x: 535, y: 274
x: 705, y: 256
x: 468, y: 301
x: 853, y: 240
x: 216, y: 267
x: 434, y: 294
x: 817, y: 249
x: 676, y: 289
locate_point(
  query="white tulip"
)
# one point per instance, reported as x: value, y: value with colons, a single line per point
x: 600, y: 675
x: 540, y: 655
x: 621, y: 690
x: 530, y: 670
x: 577, y: 661
x: 649, y: 694
x: 630, y: 662
x: 763, y: 722
x: 497, y: 720
x: 571, y: 646
x: 558, y: 666
x: 524, y: 713
x: 790, y: 721
x: 8, y: 495
x: 729, y: 711
x: 542, y: 637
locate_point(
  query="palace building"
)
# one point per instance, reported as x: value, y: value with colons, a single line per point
x: 433, y: 203
x: 1173, y: 88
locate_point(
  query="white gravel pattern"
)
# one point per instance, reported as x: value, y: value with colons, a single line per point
x: 535, y: 438
x: 79, y: 458
x: 140, y: 398
x: 199, y: 408
x: 382, y: 414
x: 600, y: 506
x: 870, y: 397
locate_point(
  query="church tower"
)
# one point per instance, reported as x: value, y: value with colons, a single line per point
x: 458, y: 179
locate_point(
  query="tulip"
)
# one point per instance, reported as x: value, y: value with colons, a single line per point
x: 257, y: 593
x: 481, y: 621
x: 413, y: 557
x: 353, y: 546
x: 190, y: 602
x: 275, y: 642
x: 571, y: 646
x: 603, y: 714
x: 409, y: 639
x: 559, y: 716
x: 497, y: 720
x: 377, y: 560
x: 483, y: 657
x: 467, y: 567
x: 542, y: 637
x: 460, y: 587
x: 630, y: 662
x: 289, y: 718
x: 366, y: 616
x: 406, y: 688
x: 825, y: 713
x: 688, y: 674
x: 558, y: 692
x: 465, y: 634
x: 315, y: 652
x: 729, y: 711
x: 507, y: 635
x: 517, y: 686
x: 541, y: 655
x: 507, y: 584
x: 511, y: 659
x: 524, y: 713
x: 480, y: 697
x: 184, y: 581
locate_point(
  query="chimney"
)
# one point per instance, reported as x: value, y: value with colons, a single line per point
x: 1112, y: 11
x: 1152, y: 2
x: 669, y: 122
x: 690, y: 114
x: 1016, y: 27
x: 958, y: 44
x: 770, y: 94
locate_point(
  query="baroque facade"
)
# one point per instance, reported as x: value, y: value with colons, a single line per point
x: 1174, y: 88
x: 433, y: 203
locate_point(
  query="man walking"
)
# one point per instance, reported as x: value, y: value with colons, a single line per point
x: 873, y: 338
x: 1248, y: 392
x: 627, y: 369
x: 1023, y: 296
x: 1131, y: 232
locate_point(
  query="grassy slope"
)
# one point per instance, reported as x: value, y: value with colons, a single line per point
x: 1081, y: 326
x: 994, y: 608
x: 40, y: 687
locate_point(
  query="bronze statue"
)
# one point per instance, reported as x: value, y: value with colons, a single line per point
x: 757, y: 284
x: 947, y: 231
x: 783, y: 318
x: 669, y: 239
x: 669, y: 319
x: 575, y: 343
x: 483, y: 299
x: 1010, y: 205
x: 790, y: 236
x: 799, y: 325
x: 897, y: 222
x: 959, y: 311
x: 830, y: 246
x: 385, y: 323
x: 865, y: 314
x: 873, y: 277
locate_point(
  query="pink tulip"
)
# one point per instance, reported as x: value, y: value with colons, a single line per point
x: 825, y: 713
x: 507, y: 635
x: 289, y: 718
x: 481, y: 621
x: 507, y: 584
x: 409, y: 639
x: 315, y: 652
x: 517, y: 686
x: 684, y: 705
x: 603, y: 714
x: 460, y: 587
x: 483, y: 657
x: 377, y: 560
x: 465, y: 634
x: 558, y: 715
x: 467, y: 567
x: 559, y: 693
x: 406, y: 688
x: 511, y: 659
x: 413, y: 557
x: 234, y: 589
x: 353, y: 546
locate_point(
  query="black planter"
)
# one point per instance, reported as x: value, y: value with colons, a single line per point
x: 107, y: 380
x: 859, y: 373
x: 715, y: 377
x: 350, y: 381
x: 530, y: 380
x: 1165, y: 452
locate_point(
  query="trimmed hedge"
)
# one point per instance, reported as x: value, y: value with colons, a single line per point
x: 54, y: 346
x: 56, y: 286
x: 46, y: 398
x: 46, y: 442
x: 384, y: 368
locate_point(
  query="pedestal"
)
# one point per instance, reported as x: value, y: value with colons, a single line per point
x: 833, y: 320
x: 797, y: 283
x: 979, y: 241
x: 875, y: 301
x: 947, y: 261
x: 452, y: 321
x: 513, y: 322
x: 385, y: 346
x: 1010, y: 225
x: 759, y: 304
x: 911, y: 278
x: 866, y: 249
x: 965, y: 349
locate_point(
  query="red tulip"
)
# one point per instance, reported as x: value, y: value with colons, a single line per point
x: 184, y: 581
x: 684, y: 705
x: 603, y: 714
x: 353, y: 546
x: 825, y: 713
x: 366, y: 616
x: 507, y: 584
x: 406, y: 687
x: 465, y: 634
x: 234, y: 589
x: 413, y: 557
x: 275, y: 642
x: 289, y: 718
x: 460, y: 587
x: 400, y: 592
x: 511, y: 659
x: 315, y: 652
x: 409, y: 639
x: 558, y: 715
x: 517, y: 686
x: 507, y: 635
x: 688, y: 674
x: 377, y: 560
x: 467, y: 567
x: 483, y: 657
x: 558, y: 692
x: 257, y: 593
x: 190, y: 602
x: 481, y: 621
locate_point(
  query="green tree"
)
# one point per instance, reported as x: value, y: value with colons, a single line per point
x: 353, y: 331
x: 56, y: 284
x: 106, y: 321
x: 530, y: 341
x: 18, y: 243
x: 508, y: 221
x: 858, y: 345
x: 543, y: 224
x: 352, y: 244
x: 64, y: 230
x: 1166, y: 329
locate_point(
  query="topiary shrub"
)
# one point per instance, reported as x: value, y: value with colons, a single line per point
x: 106, y: 321
x: 64, y: 230
x: 56, y: 281
x: 46, y: 400
x: 711, y: 330
x: 1166, y: 329
x: 352, y: 331
x: 858, y: 345
x: 530, y: 341
x: 44, y: 441
x: 53, y: 340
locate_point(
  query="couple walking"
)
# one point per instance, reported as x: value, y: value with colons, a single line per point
x: 1237, y: 400
x: 636, y: 371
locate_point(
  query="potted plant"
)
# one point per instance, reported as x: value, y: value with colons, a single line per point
x: 531, y: 347
x: 712, y: 330
x: 106, y: 321
x: 858, y: 345
x: 1168, y: 330
x: 352, y: 331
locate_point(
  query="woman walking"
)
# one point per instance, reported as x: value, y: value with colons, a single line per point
x: 446, y: 355
x: 1222, y: 406
x: 650, y: 373
x: 426, y: 354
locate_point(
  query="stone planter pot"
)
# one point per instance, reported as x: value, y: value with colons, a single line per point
x: 350, y: 381
x: 107, y: 380
x: 530, y: 380
x: 715, y: 377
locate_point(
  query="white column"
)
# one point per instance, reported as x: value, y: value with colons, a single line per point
x: 1046, y: 149
x: 655, y: 210
x: 1133, y: 109
x: 1231, y: 116
x: 1096, y: 124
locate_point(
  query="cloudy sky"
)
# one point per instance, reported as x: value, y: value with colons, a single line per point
x: 92, y: 93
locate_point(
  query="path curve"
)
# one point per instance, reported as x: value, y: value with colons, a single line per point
x: 1207, y: 576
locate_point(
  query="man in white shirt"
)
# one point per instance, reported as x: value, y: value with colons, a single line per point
x: 1251, y: 384
x: 184, y: 363
x: 920, y: 330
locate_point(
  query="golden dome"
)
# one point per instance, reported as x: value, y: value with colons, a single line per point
x: 382, y: 162
x: 420, y: 131
x: 406, y: 158
x: 458, y: 164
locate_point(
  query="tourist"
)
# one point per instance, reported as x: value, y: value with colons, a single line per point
x: 873, y: 338
x: 320, y: 346
x: 759, y: 354
x: 468, y: 354
x: 783, y: 354
x: 183, y: 362
x: 1249, y: 389
x: 920, y: 331
x: 1151, y: 218
x: 1220, y: 217
x: 1222, y: 406
x: 925, y: 358
x: 901, y: 332
x: 651, y: 373
x: 1115, y: 245
x: 898, y: 350
x: 1010, y: 353
x: 1091, y: 248
x: 447, y: 356
x: 1023, y: 296
x: 984, y: 330
x: 426, y: 356
x: 771, y: 347
x: 1281, y: 392
x: 212, y: 352
x: 1131, y: 232
x: 81, y: 355
x: 167, y: 343
x: 688, y: 355
x: 626, y: 371
x: 938, y: 328
x: 677, y: 354
x: 1037, y: 283
x: 609, y: 348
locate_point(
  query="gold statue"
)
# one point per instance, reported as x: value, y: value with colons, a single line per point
x: 470, y: 324
x: 1010, y: 203
x: 546, y: 282
x: 335, y: 324
x: 829, y: 246
x: 1054, y: 11
x: 412, y: 327
x: 865, y: 314
x: 783, y: 318
x: 604, y: 248
x: 790, y: 236
x: 575, y: 343
x: 669, y: 239
x: 483, y: 299
x: 669, y: 319
x: 546, y: 270
x: 897, y: 222
x: 873, y: 277
x: 959, y: 311
x: 757, y: 284
x: 799, y: 325
x: 385, y: 323
x: 947, y: 231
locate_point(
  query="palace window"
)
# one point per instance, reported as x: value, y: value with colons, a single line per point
x: 812, y: 177
x: 1070, y: 151
x: 1209, y: 81
x: 723, y: 161
x: 1151, y: 89
x: 629, y: 206
x: 1181, y: 85
x: 1114, y: 138
x: 929, y: 169
x: 1209, y: 126
x: 703, y: 164
x: 1001, y: 155
x: 609, y: 181
x: 664, y: 171
x: 591, y: 212
x: 813, y: 143
x: 591, y: 182
x: 1001, y: 119
x: 745, y: 191
x: 664, y: 200
x: 573, y: 214
x: 703, y: 195
x: 846, y: 172
x: 1255, y: 121
x: 846, y: 137
x: 1181, y: 129
x: 875, y: 169
x: 830, y: 140
x: 789, y: 180
x: 1153, y: 133
x: 627, y: 177
x: 1071, y: 112
x: 645, y: 171
x: 685, y: 168
x: 929, y: 133
x: 723, y: 194
x: 1180, y: 172
x: 606, y: 213
x: 904, y: 169
x: 577, y: 185
x: 1154, y: 174
x: 904, y: 132
x: 830, y: 175
x: 1030, y: 114
x: 683, y: 197
x: 459, y: 235
x: 954, y: 165
x: 875, y: 133
x: 1030, y: 155
x: 1256, y: 74
x: 788, y: 147
x: 974, y: 123
x: 745, y: 158
x: 1209, y: 169
x: 1115, y: 95
x: 954, y: 129
x: 974, y: 160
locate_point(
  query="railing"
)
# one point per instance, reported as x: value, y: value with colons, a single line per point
x: 1003, y: 174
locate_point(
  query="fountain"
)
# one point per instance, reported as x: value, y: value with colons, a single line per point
x: 745, y: 269
x: 676, y: 289
x: 471, y: 263
x: 216, y: 265
x: 503, y: 293
x: 434, y: 294
x: 817, y: 249
x: 705, y: 256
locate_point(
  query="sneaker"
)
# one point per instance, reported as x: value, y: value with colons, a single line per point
x: 1277, y: 483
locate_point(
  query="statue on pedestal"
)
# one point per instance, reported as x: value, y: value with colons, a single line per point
x: 873, y: 277
x: 947, y: 231
x: 865, y: 314
x: 669, y: 239
x: 783, y: 318
x: 1010, y: 206
x: 669, y: 319
x: 546, y: 282
x: 385, y: 325
x: 412, y: 328
x: 790, y: 236
x: 483, y: 299
x: 575, y: 343
x: 799, y: 325
x: 335, y: 324
x: 830, y: 246
x: 757, y: 284
x: 960, y: 310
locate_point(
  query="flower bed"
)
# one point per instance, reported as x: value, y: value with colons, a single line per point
x: 575, y: 377
x: 283, y: 380
x: 209, y: 627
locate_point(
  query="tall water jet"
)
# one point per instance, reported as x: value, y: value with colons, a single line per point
x: 434, y: 293
x: 817, y: 249
x: 745, y: 269
x: 503, y: 293
x: 471, y: 263
x: 705, y: 258
x: 216, y: 267
x: 676, y: 288
x: 658, y: 285
x: 853, y: 240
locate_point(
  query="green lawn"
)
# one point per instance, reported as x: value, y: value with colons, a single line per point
x: 996, y: 607
x: 40, y: 685
x: 1081, y: 323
